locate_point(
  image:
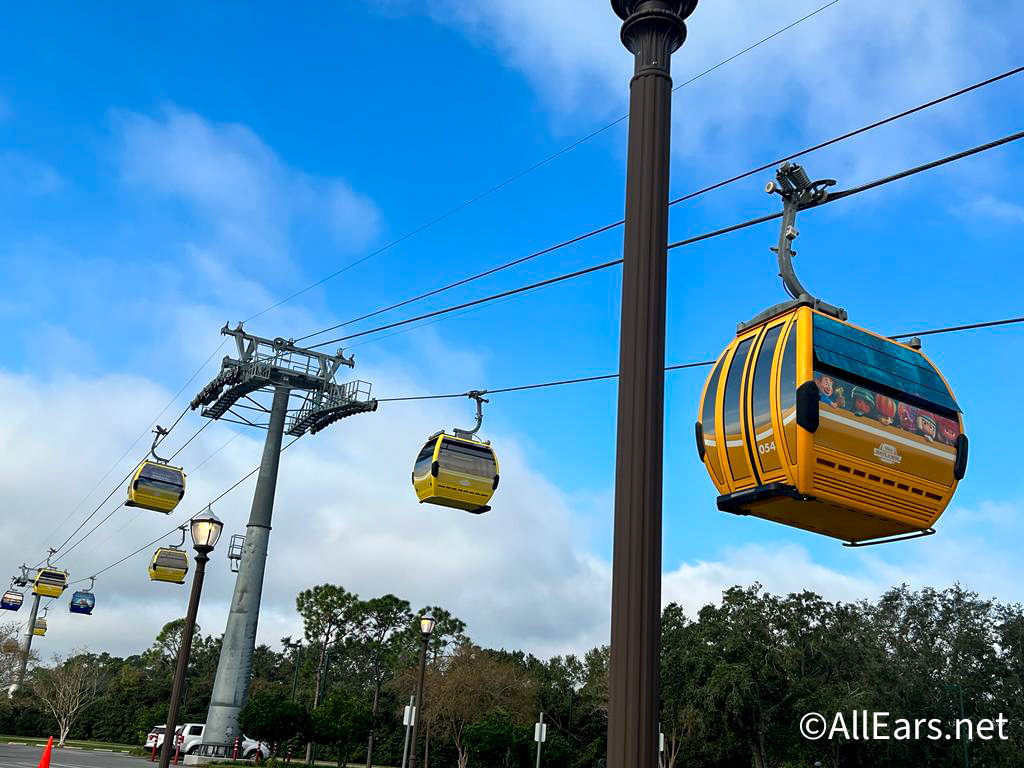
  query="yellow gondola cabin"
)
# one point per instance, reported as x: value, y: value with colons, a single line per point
x: 50, y: 582
x: 156, y: 486
x: 169, y: 564
x: 456, y: 472
x: 459, y: 470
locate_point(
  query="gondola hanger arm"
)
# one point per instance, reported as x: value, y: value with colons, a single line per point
x: 797, y: 191
x: 160, y: 433
x: 478, y: 395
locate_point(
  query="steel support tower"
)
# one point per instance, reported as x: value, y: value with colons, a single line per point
x: 280, y: 367
x: 25, y: 647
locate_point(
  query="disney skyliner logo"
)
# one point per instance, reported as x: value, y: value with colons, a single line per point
x: 862, y: 725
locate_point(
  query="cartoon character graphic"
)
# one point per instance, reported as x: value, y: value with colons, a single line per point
x: 949, y: 431
x: 826, y: 389
x: 908, y: 417
x: 885, y: 408
x: 926, y: 426
x: 863, y: 401
x: 839, y: 398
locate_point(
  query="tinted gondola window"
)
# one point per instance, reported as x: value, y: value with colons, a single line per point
x: 161, y: 475
x: 870, y: 358
x: 787, y: 393
x: 169, y: 558
x: 424, y: 460
x: 707, y: 416
x: 466, y: 458
x: 708, y: 421
x: 733, y: 428
x: 761, y: 402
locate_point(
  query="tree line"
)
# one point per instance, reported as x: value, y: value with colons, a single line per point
x: 736, y: 680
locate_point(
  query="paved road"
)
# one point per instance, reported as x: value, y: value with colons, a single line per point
x: 18, y: 756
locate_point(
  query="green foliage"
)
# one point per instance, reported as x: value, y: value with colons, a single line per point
x: 735, y: 678
x: 342, y: 721
x: 272, y: 718
x: 498, y: 741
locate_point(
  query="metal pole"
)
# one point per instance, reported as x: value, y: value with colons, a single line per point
x: 295, y: 674
x: 318, y: 694
x: 26, y: 647
x: 652, y: 30
x: 234, y: 668
x: 184, y: 651
x: 408, y: 726
x: 540, y: 736
x: 419, y: 701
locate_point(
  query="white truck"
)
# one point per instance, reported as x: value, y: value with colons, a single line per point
x: 190, y: 736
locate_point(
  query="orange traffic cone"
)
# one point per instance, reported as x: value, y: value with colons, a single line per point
x: 44, y: 762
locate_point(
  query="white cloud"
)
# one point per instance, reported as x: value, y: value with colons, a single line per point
x: 850, y: 64
x: 523, y: 575
x: 781, y: 569
x: 345, y: 513
x: 960, y: 552
x: 989, y: 207
x: 238, y: 184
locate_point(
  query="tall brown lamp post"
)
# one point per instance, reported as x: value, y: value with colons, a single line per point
x: 652, y: 30
x: 426, y: 629
x: 205, y: 529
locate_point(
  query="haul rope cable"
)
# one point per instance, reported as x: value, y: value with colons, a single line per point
x: 129, y: 450
x: 540, y: 163
x: 689, y: 241
x: 688, y: 196
x: 540, y: 385
x: 592, y: 233
x: 224, y: 493
x: 113, y: 511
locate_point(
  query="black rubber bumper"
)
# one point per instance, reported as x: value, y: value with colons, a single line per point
x: 736, y: 503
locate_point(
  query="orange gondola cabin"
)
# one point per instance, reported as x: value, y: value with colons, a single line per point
x: 812, y: 422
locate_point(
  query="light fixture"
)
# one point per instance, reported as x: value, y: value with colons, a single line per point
x: 206, y: 530
x: 427, y: 625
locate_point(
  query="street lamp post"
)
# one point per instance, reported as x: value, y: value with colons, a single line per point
x: 205, y: 530
x: 426, y: 628
x: 296, y: 650
x: 652, y: 30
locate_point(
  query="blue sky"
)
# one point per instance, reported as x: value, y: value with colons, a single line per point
x: 162, y: 172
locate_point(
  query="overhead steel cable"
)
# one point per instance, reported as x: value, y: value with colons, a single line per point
x: 58, y: 550
x: 62, y: 553
x: 129, y: 450
x: 688, y: 241
x: 160, y: 538
x: 955, y: 328
x: 193, y: 471
x: 525, y: 171
x: 676, y: 367
x: 675, y: 201
x: 522, y: 388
